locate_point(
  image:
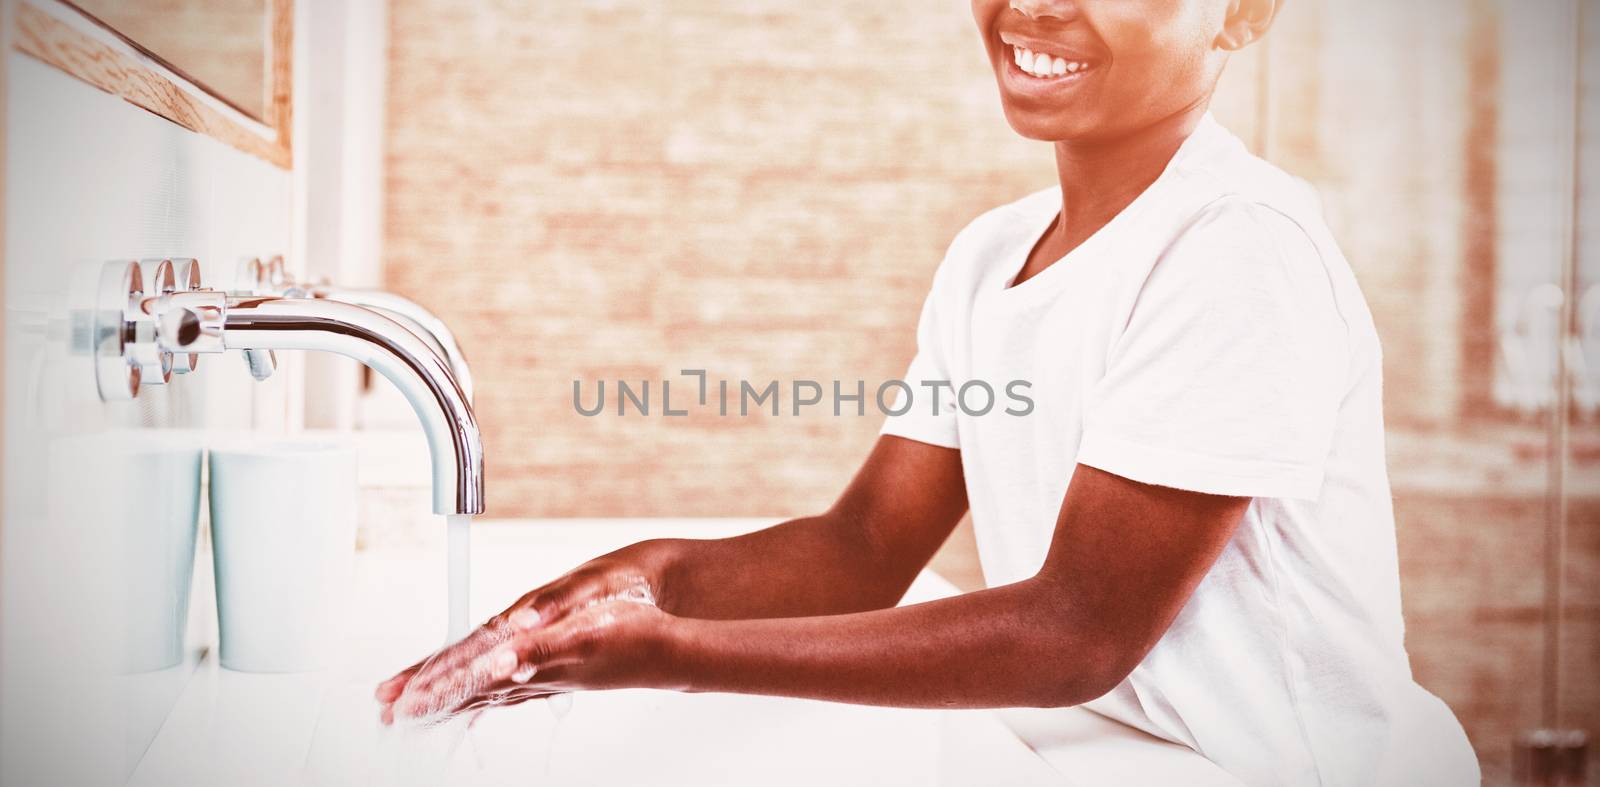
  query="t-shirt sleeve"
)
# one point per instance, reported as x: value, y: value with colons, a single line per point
x: 912, y: 415
x: 1228, y: 377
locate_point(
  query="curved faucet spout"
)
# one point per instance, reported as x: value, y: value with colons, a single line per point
x: 394, y: 351
x: 412, y: 315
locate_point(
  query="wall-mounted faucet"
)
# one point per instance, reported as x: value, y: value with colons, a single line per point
x: 121, y: 328
x: 133, y: 325
x: 272, y: 278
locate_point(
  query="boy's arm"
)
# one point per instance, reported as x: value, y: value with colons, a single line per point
x: 1124, y: 560
x: 860, y: 555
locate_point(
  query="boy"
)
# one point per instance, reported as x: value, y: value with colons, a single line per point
x: 1190, y: 533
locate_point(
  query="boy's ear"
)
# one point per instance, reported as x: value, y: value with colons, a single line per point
x: 1247, y: 21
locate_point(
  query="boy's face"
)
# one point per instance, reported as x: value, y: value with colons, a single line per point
x: 1109, y: 67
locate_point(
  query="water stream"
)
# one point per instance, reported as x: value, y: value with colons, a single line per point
x: 429, y: 760
x: 459, y: 535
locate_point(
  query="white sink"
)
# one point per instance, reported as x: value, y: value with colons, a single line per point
x: 235, y: 728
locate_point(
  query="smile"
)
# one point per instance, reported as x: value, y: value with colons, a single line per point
x: 1042, y: 65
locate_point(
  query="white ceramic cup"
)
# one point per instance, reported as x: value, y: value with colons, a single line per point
x: 283, y: 534
x: 132, y: 500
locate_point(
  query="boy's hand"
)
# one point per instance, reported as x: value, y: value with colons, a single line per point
x: 632, y: 576
x: 613, y: 643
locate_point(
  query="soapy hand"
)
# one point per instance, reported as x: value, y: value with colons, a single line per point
x: 597, y: 627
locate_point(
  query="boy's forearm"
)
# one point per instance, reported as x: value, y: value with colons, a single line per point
x: 1007, y: 647
x: 803, y: 567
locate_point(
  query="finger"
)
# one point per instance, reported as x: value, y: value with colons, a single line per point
x: 514, y: 666
x: 527, y: 661
x: 390, y: 690
x: 438, y: 663
x: 452, y: 689
x: 475, y: 710
x: 446, y: 693
x: 440, y: 669
x: 500, y: 699
x: 498, y: 658
x: 524, y: 695
x: 479, y: 705
x: 587, y: 587
x: 555, y: 600
x: 549, y: 683
x: 483, y: 683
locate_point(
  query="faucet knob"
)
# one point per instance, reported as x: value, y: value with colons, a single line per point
x: 187, y: 273
x: 191, y: 323
x: 155, y: 364
x: 150, y: 321
x: 251, y: 278
x: 109, y: 329
x: 277, y: 273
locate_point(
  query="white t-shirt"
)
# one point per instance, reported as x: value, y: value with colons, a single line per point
x: 1210, y: 338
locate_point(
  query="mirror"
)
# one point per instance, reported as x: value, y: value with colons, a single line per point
x: 221, y: 46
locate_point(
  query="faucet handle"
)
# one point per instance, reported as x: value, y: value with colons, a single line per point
x: 149, y: 321
x: 191, y: 322
x: 250, y: 278
x: 109, y: 329
x: 187, y: 273
x: 155, y: 364
x: 277, y: 273
x: 262, y: 363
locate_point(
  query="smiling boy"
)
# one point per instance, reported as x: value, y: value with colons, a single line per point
x: 1191, y: 532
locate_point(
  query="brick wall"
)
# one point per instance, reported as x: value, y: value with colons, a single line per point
x: 624, y: 189
x: 621, y: 191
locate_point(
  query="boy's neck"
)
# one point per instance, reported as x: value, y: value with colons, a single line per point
x: 1099, y: 178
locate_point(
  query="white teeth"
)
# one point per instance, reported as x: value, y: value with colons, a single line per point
x: 1043, y: 65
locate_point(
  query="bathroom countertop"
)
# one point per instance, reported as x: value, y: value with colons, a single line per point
x: 237, y: 728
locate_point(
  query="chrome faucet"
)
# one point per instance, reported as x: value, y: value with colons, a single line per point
x: 391, y: 349
x: 190, y: 322
x: 272, y: 278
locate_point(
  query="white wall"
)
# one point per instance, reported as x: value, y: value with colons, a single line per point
x: 341, y: 53
x: 90, y: 178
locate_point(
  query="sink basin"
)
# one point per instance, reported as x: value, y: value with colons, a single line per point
x: 321, y: 728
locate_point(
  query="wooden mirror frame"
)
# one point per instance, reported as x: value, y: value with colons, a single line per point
x: 60, y: 35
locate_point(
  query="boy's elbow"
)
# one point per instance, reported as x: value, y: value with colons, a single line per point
x: 1091, y: 676
x: 1082, y: 666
